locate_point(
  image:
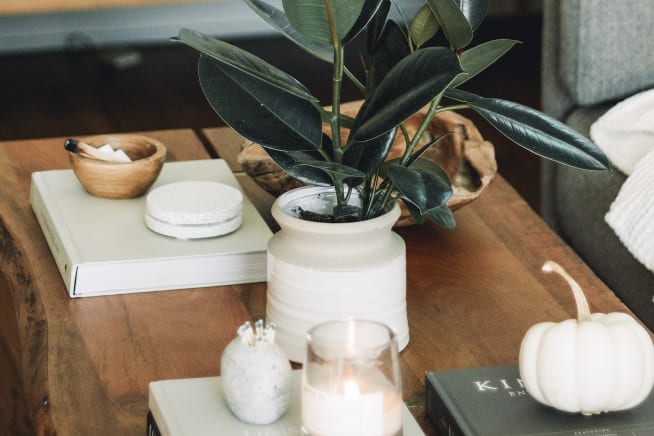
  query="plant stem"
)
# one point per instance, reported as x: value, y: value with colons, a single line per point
x: 385, y: 200
x: 371, y: 195
x: 335, y: 122
x: 354, y: 79
x: 337, y: 80
x: 433, y: 108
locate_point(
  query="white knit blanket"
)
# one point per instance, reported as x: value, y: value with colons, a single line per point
x: 626, y: 135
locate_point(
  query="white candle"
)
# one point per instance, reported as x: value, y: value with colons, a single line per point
x: 351, y: 409
x: 351, y: 382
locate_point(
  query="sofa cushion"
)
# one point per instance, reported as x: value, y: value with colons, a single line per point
x: 581, y: 199
x: 606, y: 48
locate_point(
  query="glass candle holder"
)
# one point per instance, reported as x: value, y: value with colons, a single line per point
x: 351, y: 380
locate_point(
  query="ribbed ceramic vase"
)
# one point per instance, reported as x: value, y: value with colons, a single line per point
x: 327, y: 271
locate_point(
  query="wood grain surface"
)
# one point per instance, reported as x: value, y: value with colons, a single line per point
x: 83, y: 365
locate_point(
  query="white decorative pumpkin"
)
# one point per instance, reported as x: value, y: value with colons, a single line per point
x: 595, y: 363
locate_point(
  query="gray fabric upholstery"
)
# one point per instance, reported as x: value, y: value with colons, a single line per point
x: 607, y: 48
x: 595, y: 52
x: 555, y: 99
x: 582, y: 200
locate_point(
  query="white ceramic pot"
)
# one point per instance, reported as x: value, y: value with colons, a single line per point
x: 325, y: 271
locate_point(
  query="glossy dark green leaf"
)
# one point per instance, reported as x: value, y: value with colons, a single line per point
x: 474, y: 10
x: 306, y: 174
x: 258, y: 110
x: 415, y: 213
x: 245, y: 62
x: 424, y: 26
x: 310, y: 18
x: 429, y: 166
x: 367, y: 156
x: 442, y: 215
x: 422, y: 188
x: 278, y: 19
x: 392, y: 48
x: 477, y: 59
x: 328, y: 147
x: 411, y: 84
x: 368, y: 11
x: 376, y: 27
x: 455, y: 25
x: 536, y: 131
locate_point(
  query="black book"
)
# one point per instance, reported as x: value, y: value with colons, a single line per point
x: 492, y: 401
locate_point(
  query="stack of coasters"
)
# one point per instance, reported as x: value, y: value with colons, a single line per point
x: 194, y: 209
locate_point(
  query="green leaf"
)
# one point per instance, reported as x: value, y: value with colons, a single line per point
x: 368, y: 11
x: 442, y: 215
x: 392, y: 48
x: 477, y: 59
x: 258, y: 110
x: 422, y: 188
x: 415, y: 213
x: 424, y: 26
x: 310, y: 18
x: 332, y: 168
x: 474, y: 10
x: 376, y: 27
x: 278, y: 19
x: 536, y: 131
x: 245, y: 62
x: 412, y: 83
x: 455, y: 25
x: 428, y: 165
x: 367, y: 156
x: 306, y: 174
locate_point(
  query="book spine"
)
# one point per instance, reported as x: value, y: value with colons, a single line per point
x: 151, y: 426
x: 438, y: 413
x: 60, y: 252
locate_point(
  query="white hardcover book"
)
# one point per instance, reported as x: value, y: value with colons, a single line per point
x: 103, y: 246
x: 197, y: 407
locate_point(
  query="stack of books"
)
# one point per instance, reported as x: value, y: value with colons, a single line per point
x: 198, y: 407
x: 491, y: 401
x: 103, y: 246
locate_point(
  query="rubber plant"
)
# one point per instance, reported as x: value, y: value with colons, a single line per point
x: 408, y: 66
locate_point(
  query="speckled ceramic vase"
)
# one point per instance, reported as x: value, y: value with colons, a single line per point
x: 319, y: 272
x: 257, y: 381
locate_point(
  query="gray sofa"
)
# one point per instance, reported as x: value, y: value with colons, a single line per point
x: 595, y: 53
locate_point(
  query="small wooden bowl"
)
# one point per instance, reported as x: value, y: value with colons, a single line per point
x: 120, y: 179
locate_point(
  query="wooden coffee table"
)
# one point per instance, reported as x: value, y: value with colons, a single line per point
x: 82, y: 366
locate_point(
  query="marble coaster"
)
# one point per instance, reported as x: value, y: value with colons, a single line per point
x: 194, y: 209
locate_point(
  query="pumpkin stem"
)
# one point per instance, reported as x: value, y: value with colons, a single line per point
x: 583, y: 311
